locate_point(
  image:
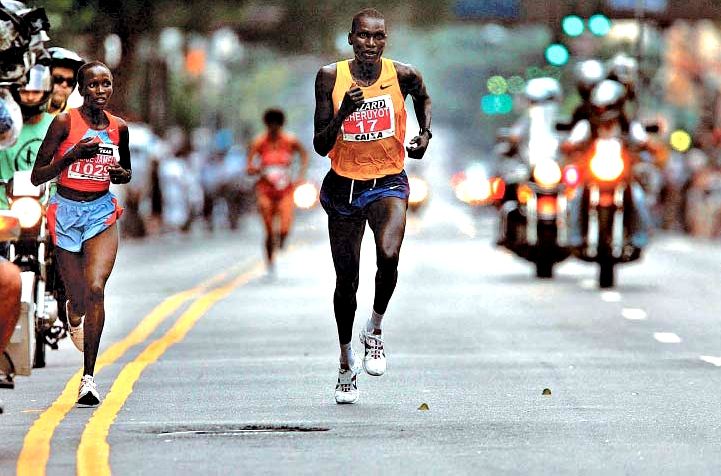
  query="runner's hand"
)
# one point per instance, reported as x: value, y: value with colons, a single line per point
x: 417, y: 147
x: 86, y: 149
x: 118, y: 174
x: 352, y: 100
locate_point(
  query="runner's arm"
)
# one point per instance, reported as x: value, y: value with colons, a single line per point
x: 327, y: 124
x: 303, y: 159
x: 122, y: 172
x: 411, y: 83
x: 251, y: 168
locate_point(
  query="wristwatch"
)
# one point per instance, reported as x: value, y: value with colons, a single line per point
x: 428, y: 130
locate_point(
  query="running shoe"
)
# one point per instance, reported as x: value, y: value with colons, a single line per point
x: 346, y: 390
x: 76, y: 333
x: 88, y: 395
x: 374, y: 360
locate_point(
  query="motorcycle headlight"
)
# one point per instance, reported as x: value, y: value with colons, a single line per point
x: 419, y: 190
x: 547, y: 173
x: 607, y: 161
x: 305, y: 196
x: 28, y: 210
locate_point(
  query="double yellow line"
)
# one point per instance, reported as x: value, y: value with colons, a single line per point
x: 93, y: 452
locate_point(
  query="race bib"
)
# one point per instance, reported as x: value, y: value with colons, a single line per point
x: 374, y: 120
x: 95, y: 168
x: 278, y: 176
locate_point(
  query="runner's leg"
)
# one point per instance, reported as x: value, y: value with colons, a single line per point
x: 285, y: 210
x: 387, y: 220
x: 265, y: 208
x: 71, y: 270
x: 346, y: 236
x: 99, y: 255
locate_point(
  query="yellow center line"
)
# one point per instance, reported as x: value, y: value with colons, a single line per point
x: 93, y: 456
x: 35, y: 452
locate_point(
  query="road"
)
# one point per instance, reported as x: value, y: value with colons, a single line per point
x: 210, y: 366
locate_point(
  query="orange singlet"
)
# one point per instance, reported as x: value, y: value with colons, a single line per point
x: 370, y: 144
x: 89, y: 175
x: 276, y: 158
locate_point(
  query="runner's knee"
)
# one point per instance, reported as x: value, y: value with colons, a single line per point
x: 10, y: 279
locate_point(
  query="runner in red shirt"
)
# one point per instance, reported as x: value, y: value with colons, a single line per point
x: 88, y: 149
x: 274, y: 150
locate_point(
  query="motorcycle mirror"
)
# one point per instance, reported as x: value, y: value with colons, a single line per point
x: 652, y: 128
x: 564, y: 126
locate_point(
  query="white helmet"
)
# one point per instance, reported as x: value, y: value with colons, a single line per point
x: 543, y: 90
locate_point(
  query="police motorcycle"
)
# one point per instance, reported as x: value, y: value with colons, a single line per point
x: 43, y: 295
x: 533, y: 218
x: 607, y: 211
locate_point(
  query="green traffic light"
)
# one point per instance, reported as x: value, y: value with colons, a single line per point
x: 557, y: 54
x: 599, y: 24
x: 572, y: 25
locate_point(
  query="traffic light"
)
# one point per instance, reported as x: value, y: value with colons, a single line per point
x: 557, y: 54
x: 572, y: 25
x: 599, y: 24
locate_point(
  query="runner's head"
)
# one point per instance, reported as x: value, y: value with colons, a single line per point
x: 368, y: 35
x: 95, y: 83
x: 274, y: 120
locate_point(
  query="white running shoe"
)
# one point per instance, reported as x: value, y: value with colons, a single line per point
x: 88, y: 395
x: 346, y: 390
x: 76, y: 333
x: 374, y: 360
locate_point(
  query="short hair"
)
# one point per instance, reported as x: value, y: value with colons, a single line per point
x: 274, y: 116
x: 85, y: 67
x: 365, y: 13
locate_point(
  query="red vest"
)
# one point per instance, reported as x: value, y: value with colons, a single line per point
x: 89, y: 175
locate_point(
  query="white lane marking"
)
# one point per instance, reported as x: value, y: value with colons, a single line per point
x: 611, y: 296
x: 588, y: 283
x: 634, y: 314
x: 666, y: 337
x: 711, y: 360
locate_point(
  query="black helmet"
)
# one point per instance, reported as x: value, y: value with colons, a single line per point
x: 65, y: 58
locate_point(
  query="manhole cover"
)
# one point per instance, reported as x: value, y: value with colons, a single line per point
x: 238, y: 430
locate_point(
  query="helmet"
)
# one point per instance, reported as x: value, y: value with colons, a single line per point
x: 11, y: 120
x: 624, y: 69
x: 38, y: 80
x: 543, y: 90
x: 588, y: 74
x: 607, y: 100
x: 65, y: 58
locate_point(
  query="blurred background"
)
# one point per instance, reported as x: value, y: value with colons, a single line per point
x: 194, y: 78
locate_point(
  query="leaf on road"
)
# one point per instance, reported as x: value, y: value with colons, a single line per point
x: 424, y: 407
x: 546, y: 391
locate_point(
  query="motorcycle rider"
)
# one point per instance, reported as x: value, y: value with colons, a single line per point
x: 587, y: 74
x: 32, y: 99
x: 608, y: 119
x: 64, y: 66
x: 531, y: 138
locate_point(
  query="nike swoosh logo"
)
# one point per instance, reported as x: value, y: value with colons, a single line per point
x: 394, y: 186
x: 383, y: 86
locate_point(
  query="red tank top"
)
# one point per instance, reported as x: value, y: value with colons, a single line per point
x: 275, y: 153
x: 89, y: 175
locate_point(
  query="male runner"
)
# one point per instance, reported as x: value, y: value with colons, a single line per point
x: 275, y: 149
x: 360, y: 122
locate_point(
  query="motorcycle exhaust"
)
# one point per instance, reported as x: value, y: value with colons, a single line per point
x: 617, y: 230
x: 594, y: 198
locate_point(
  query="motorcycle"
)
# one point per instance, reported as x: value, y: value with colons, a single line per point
x: 605, y: 224
x: 43, y: 321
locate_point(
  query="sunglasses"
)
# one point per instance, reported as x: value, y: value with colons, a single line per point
x: 62, y: 79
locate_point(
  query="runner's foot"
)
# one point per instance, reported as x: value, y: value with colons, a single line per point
x: 374, y: 360
x: 88, y: 394
x: 346, y: 390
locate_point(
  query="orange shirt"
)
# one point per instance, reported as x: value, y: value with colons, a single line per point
x: 370, y: 143
x: 275, y: 152
x: 89, y: 175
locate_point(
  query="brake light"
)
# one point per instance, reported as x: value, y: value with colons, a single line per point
x: 607, y: 162
x: 498, y: 188
x: 524, y: 194
x: 547, y: 206
x: 571, y: 176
